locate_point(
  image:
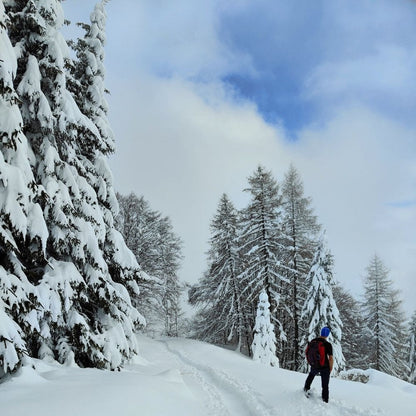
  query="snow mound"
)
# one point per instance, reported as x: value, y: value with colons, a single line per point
x: 377, y: 378
x: 27, y: 376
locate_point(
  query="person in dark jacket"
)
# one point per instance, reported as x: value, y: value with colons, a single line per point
x: 324, y: 370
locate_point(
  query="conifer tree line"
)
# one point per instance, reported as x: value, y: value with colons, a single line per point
x: 269, y: 287
x: 271, y: 252
x: 69, y: 285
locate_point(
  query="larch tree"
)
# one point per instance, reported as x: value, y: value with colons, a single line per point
x: 264, y: 342
x: 218, y: 293
x: 384, y: 319
x: 300, y: 233
x: 320, y: 308
x: 260, y: 245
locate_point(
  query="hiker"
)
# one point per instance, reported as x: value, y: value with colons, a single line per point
x: 319, y: 356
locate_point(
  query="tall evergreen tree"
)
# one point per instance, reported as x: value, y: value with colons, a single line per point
x: 88, y: 313
x: 23, y: 231
x: 219, y: 292
x: 87, y: 81
x: 87, y: 85
x: 300, y: 231
x: 384, y: 319
x: 320, y: 308
x: 260, y: 245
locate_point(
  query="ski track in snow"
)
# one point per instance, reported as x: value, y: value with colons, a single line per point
x: 226, y: 395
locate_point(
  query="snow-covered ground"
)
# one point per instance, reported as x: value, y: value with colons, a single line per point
x: 184, y: 377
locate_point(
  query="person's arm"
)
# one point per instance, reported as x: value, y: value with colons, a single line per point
x: 331, y: 362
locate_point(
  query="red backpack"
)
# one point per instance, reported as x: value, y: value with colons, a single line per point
x: 315, y: 353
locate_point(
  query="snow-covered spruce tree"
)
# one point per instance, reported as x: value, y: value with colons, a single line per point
x: 320, y: 308
x: 86, y: 83
x: 88, y: 315
x: 412, y: 349
x: 384, y: 319
x: 353, y: 335
x: 300, y: 233
x: 158, y: 249
x: 260, y: 246
x: 264, y: 342
x: 222, y: 316
x: 23, y: 232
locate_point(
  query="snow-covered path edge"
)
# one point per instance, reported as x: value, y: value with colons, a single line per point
x: 185, y: 377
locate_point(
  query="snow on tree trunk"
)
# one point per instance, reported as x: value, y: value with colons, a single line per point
x: 264, y: 343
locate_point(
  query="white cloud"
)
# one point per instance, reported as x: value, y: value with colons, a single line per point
x: 182, y: 150
x: 354, y: 167
x: 182, y: 143
x: 171, y: 37
x: 387, y: 73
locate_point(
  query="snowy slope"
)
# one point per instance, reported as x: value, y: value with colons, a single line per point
x: 184, y: 377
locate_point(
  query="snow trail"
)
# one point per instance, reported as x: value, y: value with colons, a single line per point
x: 182, y: 377
x: 242, y: 398
x: 235, y: 397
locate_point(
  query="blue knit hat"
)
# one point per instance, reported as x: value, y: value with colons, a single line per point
x: 325, y: 331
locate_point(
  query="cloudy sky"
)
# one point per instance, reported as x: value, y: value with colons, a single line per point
x: 202, y: 91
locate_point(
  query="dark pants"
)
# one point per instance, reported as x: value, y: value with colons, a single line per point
x: 324, y: 380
